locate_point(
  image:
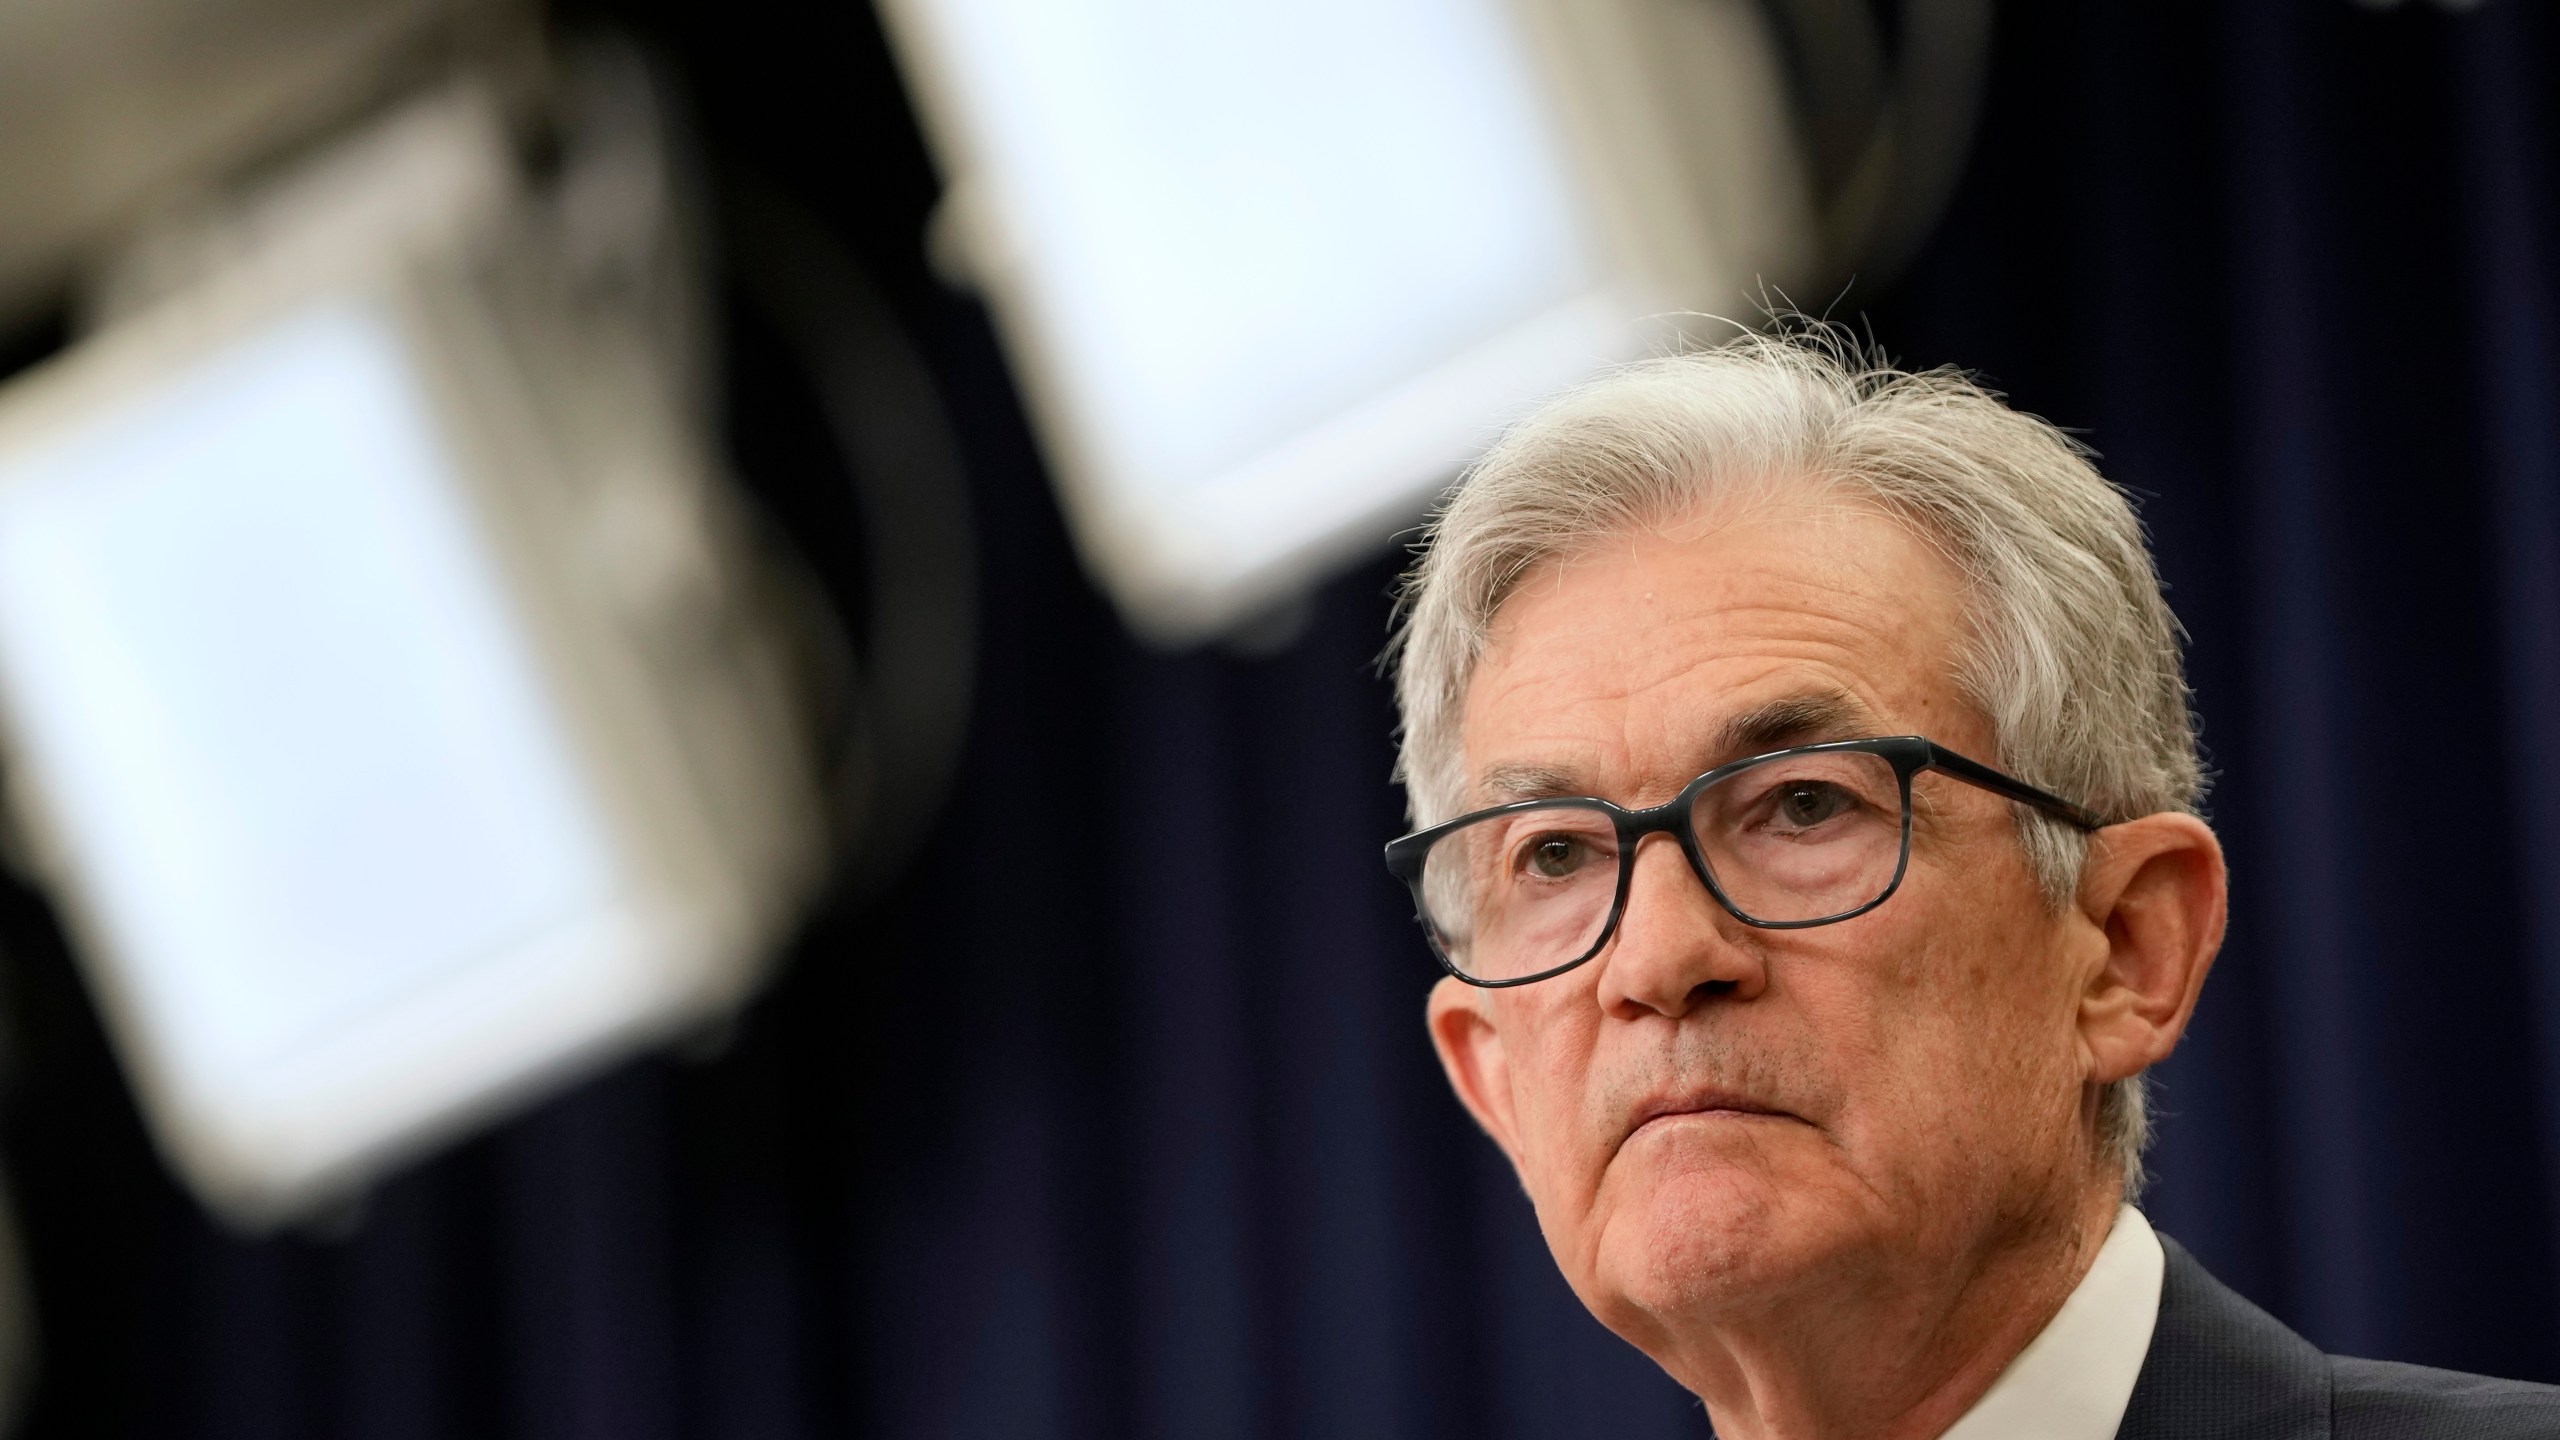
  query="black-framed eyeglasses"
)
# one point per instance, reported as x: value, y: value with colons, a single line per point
x: 1806, y: 836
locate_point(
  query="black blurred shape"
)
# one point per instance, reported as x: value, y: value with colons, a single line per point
x: 884, y: 500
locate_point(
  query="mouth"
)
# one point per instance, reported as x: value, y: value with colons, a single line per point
x: 1712, y: 1105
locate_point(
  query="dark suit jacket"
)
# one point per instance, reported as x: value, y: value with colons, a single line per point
x: 2220, y: 1368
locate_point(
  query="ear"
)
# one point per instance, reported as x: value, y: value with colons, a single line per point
x: 1470, y: 1049
x: 2154, y: 889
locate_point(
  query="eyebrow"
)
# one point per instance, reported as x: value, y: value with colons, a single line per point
x: 1506, y: 784
x: 1797, y: 719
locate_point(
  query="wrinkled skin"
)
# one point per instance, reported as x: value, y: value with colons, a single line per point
x: 1831, y: 1179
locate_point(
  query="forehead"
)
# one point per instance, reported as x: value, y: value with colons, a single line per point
x: 1641, y: 661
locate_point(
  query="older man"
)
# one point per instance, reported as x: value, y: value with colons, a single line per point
x: 1811, y: 841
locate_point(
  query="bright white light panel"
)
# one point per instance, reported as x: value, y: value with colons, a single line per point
x: 1270, y: 272
x: 279, y: 702
x: 279, y: 729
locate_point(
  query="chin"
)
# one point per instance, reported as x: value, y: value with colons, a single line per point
x: 1709, y: 1239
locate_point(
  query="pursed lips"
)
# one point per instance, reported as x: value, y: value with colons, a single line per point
x: 1709, y: 1102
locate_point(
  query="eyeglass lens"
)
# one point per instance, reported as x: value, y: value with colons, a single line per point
x: 1793, y: 839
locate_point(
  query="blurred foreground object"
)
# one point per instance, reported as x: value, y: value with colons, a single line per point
x: 390, y: 702
x: 107, y: 107
x: 1269, y: 274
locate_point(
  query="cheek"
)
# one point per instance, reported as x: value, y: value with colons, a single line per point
x: 1551, y: 1079
x: 1970, y: 1048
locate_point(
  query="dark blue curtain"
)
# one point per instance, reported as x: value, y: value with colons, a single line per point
x: 1115, y: 1116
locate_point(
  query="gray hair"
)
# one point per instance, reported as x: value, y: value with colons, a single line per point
x: 2072, y: 654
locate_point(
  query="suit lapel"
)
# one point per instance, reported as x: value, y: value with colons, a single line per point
x: 2220, y: 1368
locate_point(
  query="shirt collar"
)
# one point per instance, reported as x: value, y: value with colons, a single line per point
x: 2073, y: 1380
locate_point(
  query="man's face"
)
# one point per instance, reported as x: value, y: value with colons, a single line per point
x: 1712, y: 1119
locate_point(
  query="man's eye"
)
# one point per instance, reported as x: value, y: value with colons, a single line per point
x: 1805, y: 805
x: 1554, y: 857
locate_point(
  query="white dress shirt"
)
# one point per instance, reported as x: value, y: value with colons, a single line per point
x: 2074, y: 1379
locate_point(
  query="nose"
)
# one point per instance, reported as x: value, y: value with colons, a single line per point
x: 1676, y: 948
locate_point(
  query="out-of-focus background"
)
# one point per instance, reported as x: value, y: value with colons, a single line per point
x: 687, y: 695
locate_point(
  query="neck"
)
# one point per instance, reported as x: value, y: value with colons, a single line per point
x: 1893, y: 1352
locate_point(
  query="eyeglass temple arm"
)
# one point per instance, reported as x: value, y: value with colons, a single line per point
x: 1975, y: 773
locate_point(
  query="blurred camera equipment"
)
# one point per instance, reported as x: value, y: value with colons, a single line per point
x: 1270, y: 274
x: 392, y: 700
